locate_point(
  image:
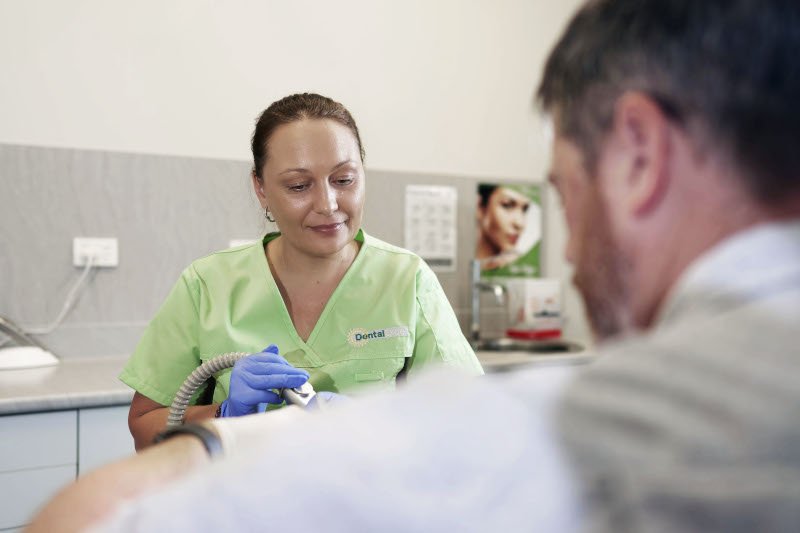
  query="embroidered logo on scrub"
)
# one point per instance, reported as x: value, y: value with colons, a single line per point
x: 360, y: 337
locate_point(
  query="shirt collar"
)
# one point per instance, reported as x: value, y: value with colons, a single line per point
x: 740, y: 267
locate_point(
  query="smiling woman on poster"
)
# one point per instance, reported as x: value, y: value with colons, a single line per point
x: 509, y: 229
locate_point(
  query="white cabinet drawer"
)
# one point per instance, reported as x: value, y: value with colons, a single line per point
x: 24, y: 491
x: 103, y: 436
x: 38, y: 440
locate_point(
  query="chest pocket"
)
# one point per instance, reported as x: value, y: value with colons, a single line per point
x: 347, y: 365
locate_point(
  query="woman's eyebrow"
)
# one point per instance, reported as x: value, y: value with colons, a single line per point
x: 342, y: 163
x: 300, y: 170
x: 303, y: 170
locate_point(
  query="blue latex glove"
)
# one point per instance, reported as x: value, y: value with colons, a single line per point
x: 254, y: 376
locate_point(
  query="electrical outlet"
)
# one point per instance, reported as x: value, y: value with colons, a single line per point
x: 105, y: 252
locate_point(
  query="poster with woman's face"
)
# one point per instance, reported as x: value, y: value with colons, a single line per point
x: 509, y: 230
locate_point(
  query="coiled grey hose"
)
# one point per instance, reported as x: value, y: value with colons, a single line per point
x: 177, y: 410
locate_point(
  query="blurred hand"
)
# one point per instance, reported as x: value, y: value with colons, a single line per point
x: 324, y: 399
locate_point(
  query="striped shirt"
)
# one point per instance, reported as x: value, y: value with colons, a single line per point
x: 696, y: 426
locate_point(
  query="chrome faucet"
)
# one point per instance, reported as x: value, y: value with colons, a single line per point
x: 13, y: 331
x: 477, y: 287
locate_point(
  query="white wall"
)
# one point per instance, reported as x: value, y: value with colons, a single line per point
x: 439, y: 86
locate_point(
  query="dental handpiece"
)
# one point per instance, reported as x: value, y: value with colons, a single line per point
x: 302, y: 395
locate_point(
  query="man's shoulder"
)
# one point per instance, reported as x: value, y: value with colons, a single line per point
x: 691, y: 389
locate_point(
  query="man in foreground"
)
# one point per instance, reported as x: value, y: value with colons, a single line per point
x: 675, y: 154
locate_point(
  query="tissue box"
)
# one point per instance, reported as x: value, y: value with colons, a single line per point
x: 534, y: 308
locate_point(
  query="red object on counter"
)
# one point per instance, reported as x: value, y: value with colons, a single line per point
x: 533, y: 334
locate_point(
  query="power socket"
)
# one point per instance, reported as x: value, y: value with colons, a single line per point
x: 105, y: 252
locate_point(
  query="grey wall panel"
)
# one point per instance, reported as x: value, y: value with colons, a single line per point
x: 166, y: 211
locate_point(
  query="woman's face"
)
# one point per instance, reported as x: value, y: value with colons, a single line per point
x: 503, y: 218
x: 313, y: 183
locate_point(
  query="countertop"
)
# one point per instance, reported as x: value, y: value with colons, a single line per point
x: 71, y: 384
x: 494, y: 362
x: 77, y: 383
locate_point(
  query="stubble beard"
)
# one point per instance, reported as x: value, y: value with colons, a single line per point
x: 601, y: 277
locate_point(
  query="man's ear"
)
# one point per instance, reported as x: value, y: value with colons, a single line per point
x: 642, y: 134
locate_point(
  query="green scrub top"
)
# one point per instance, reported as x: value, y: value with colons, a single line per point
x: 388, y: 315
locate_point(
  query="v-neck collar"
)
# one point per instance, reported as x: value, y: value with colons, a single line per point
x: 272, y: 286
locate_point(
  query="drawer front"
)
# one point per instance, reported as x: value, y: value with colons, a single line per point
x: 104, y: 437
x: 38, y: 440
x: 22, y: 493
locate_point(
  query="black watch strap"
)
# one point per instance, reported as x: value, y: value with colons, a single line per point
x: 209, y: 439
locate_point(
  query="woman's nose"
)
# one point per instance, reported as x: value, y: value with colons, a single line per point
x: 519, y: 221
x: 326, y: 203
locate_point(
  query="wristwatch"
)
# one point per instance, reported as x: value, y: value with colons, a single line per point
x: 210, y: 440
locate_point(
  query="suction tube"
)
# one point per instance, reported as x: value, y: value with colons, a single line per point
x: 177, y: 411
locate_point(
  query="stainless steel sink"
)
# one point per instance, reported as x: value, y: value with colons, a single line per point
x: 529, y: 346
x: 503, y: 355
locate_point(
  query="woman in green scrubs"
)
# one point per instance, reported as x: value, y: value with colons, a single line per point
x: 347, y: 308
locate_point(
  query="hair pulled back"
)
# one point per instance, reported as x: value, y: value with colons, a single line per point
x: 291, y: 109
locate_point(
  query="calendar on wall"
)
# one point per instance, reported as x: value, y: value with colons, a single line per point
x: 430, y: 225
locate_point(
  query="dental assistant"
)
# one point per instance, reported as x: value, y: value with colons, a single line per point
x: 343, y: 308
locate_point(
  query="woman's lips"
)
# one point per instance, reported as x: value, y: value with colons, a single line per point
x: 513, y: 238
x: 327, y: 229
